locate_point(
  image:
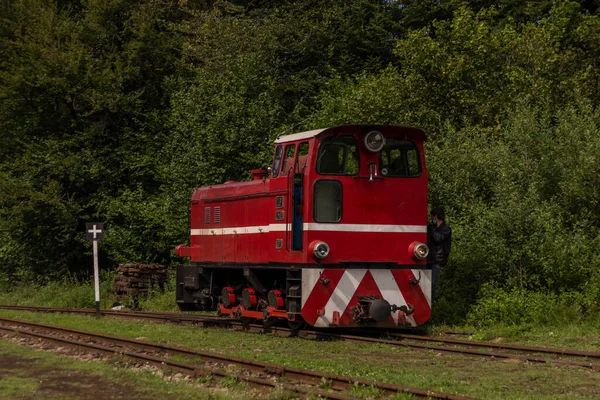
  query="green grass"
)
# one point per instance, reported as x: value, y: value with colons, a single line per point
x: 577, y: 335
x: 366, y: 391
x: 426, y: 370
x: 67, y: 293
x: 15, y: 386
x: 73, y: 294
x: 46, y: 368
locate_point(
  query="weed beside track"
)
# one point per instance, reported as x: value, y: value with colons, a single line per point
x: 153, y: 354
x: 429, y: 369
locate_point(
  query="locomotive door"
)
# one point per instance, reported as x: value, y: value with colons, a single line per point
x: 298, y: 196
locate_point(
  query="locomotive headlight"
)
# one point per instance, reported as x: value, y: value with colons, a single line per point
x: 319, y: 249
x: 418, y: 250
x: 374, y: 141
x: 421, y: 251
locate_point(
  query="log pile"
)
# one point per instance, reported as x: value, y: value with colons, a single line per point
x: 135, y: 280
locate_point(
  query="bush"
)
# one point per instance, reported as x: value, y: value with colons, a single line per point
x: 70, y: 293
x: 161, y: 300
x: 500, y: 306
x: 67, y: 292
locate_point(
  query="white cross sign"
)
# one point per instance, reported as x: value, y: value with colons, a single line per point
x: 94, y: 230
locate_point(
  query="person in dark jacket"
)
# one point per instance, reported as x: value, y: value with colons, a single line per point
x: 439, y: 238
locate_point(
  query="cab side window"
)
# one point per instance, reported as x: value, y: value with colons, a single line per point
x: 302, y: 157
x: 288, y: 162
x: 327, y: 201
x: 277, y: 161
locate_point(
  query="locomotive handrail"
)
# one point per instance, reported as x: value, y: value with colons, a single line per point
x: 245, y: 196
x: 287, y: 212
x: 367, y: 177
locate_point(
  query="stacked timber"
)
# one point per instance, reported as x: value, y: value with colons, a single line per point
x: 135, y: 280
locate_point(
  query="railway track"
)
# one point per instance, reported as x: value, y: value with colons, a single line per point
x: 584, y: 359
x: 522, y: 353
x: 201, y: 319
x: 158, y: 355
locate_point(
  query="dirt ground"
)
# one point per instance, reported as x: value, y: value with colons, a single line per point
x: 40, y: 381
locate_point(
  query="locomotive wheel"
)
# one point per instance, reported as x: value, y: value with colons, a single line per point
x: 237, y: 314
x: 267, y: 320
x: 243, y: 320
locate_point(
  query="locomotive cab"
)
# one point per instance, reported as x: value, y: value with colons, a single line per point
x: 334, y: 235
x: 353, y: 179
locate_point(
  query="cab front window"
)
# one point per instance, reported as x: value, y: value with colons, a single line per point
x: 338, y: 156
x: 399, y: 158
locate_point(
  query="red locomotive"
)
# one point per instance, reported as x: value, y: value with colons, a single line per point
x: 332, y: 235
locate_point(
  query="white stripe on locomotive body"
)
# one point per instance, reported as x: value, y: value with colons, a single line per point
x: 240, y: 230
x: 341, y: 296
x: 424, y: 283
x: 365, y: 228
x: 390, y: 291
x: 362, y: 228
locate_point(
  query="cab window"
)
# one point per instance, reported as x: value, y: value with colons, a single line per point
x: 288, y: 161
x: 338, y: 156
x: 327, y: 201
x: 277, y: 161
x: 302, y: 157
x: 400, y: 158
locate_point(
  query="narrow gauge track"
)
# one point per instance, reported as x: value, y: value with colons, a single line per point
x: 200, y: 319
x: 446, y: 343
x: 518, y: 352
x: 138, y: 350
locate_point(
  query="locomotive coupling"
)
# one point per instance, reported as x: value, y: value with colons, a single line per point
x: 373, y: 308
x: 408, y: 309
x: 379, y: 310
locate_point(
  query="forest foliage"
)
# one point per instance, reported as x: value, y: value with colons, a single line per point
x: 115, y: 110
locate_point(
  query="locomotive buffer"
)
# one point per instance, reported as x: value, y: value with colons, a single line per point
x: 95, y: 232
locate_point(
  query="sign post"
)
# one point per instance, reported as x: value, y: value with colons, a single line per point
x: 95, y: 232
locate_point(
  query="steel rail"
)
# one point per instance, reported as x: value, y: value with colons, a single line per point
x: 338, y: 382
x: 531, y: 349
x: 188, y: 369
x: 172, y: 317
x: 488, y: 354
x: 232, y: 323
x: 178, y: 318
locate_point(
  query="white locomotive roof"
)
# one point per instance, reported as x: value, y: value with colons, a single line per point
x: 299, y: 136
x: 417, y: 133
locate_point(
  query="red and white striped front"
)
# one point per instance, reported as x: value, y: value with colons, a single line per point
x: 333, y: 292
